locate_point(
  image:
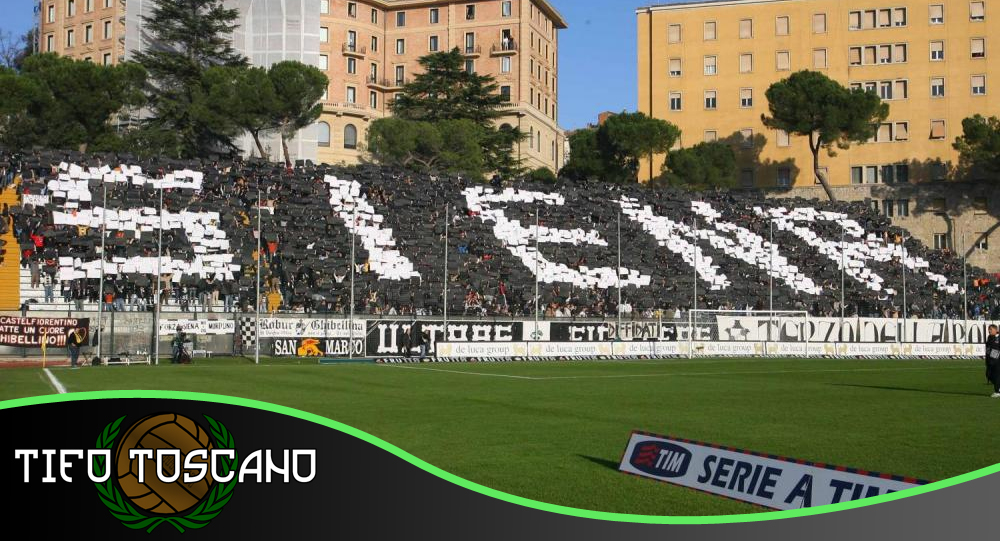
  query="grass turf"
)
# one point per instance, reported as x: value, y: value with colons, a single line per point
x: 554, y: 432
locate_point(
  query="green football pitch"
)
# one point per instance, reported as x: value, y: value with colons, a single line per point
x: 554, y: 432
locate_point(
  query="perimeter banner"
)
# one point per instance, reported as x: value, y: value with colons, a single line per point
x: 30, y: 332
x: 766, y: 480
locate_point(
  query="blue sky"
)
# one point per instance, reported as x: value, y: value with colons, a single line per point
x: 597, y: 54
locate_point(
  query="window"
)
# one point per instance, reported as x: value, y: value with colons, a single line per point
x: 782, y: 138
x: 88, y: 6
x: 352, y: 66
x: 374, y: 44
x: 323, y: 134
x: 746, y: 28
x: 937, y: 129
x: 884, y: 54
x: 937, y: 13
x: 470, y: 43
x: 888, y: 176
x: 868, y: 19
x: 107, y: 29
x: 107, y: 59
x: 857, y: 175
x: 88, y: 33
x: 782, y: 61
x: 899, y: 53
x: 505, y: 64
x: 884, y: 133
x: 885, y: 90
x: 746, y: 63
x: 675, y: 101
x: 747, y: 135
x: 854, y: 56
x: 373, y: 99
x: 854, y: 20
x: 70, y: 41
x: 902, y: 177
x: 506, y: 8
x: 941, y: 241
x: 400, y: 75
x: 352, y: 95
x: 711, y: 136
x: 884, y: 18
x: 746, y: 178
x: 352, y: 9
x: 902, y: 207
x: 435, y: 15
x: 978, y: 48
x: 505, y: 92
x: 470, y: 12
x: 781, y: 26
x: 939, y: 172
x: 888, y: 206
x: 899, y: 17
x: 978, y: 85
x: 674, y: 33
x: 400, y: 46
x: 50, y: 43
x: 324, y: 34
x: 784, y: 179
x: 107, y: 3
x: 432, y: 46
x: 984, y: 241
x: 470, y: 67
x: 900, y: 90
x: 70, y: 8
x: 373, y: 71
x: 746, y: 97
x: 374, y: 16
x: 871, y: 174
x: 324, y: 62
x: 937, y: 87
x: 937, y: 50
x: 819, y: 23
x: 51, y: 14
x: 819, y: 58
x: 901, y: 131
x: 977, y: 11
x: 352, y: 41
x: 710, y: 99
x: 675, y: 67
x: 710, y: 31
x: 324, y: 6
x: 350, y: 137
x: 710, y: 65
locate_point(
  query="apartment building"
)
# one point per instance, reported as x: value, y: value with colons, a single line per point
x: 370, y: 49
x: 705, y: 66
x: 84, y: 29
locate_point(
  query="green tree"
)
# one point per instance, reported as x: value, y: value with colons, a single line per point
x: 543, y: 174
x: 811, y: 104
x: 66, y: 103
x: 191, y: 37
x: 445, y: 90
x: 625, y: 139
x: 979, y: 145
x: 585, y: 159
x: 701, y: 167
x: 450, y: 146
x: 298, y: 89
x: 243, y: 96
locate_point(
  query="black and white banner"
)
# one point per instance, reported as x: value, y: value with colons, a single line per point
x: 392, y: 337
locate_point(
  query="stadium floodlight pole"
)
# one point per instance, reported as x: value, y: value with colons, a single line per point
x: 447, y: 214
x: 694, y: 297
x: 100, y: 294
x: 537, y: 296
x: 260, y: 234
x: 843, y: 263
x: 770, y: 279
x: 618, y: 274
x: 905, y: 314
x: 159, y: 284
x: 354, y: 232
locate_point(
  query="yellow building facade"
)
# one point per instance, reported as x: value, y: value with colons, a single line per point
x: 705, y: 67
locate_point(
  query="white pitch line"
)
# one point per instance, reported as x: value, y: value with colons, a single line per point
x: 676, y: 374
x: 55, y: 382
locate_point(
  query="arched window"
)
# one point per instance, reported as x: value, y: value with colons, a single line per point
x: 323, y: 134
x: 350, y: 136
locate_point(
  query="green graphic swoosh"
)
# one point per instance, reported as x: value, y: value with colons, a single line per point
x: 486, y: 491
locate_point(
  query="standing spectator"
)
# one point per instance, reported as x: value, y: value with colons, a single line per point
x: 47, y: 283
x: 36, y: 272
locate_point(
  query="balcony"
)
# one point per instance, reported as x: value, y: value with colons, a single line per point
x: 386, y: 85
x: 504, y: 49
x: 351, y: 49
x: 473, y: 52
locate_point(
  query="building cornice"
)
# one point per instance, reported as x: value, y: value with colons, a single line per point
x: 697, y: 4
x: 544, y: 5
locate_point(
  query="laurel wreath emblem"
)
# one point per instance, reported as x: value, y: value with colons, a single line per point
x: 208, y: 509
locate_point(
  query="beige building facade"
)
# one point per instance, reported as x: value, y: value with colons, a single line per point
x: 83, y: 29
x: 370, y: 49
x: 705, y: 66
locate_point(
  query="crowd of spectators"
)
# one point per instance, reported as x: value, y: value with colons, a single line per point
x: 304, y: 259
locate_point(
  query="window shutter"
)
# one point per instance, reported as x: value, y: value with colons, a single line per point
x: 899, y: 17
x: 977, y: 10
x: 899, y: 89
x: 885, y: 17
x: 746, y: 28
x: 855, y: 19
x: 855, y: 55
x: 937, y: 129
x: 674, y: 33
x: 781, y: 26
x: 899, y: 53
x: 869, y: 21
x: 783, y: 61
x: 675, y: 66
x: 884, y: 133
x: 746, y: 63
x: 819, y: 23
x: 870, y: 55
x: 819, y: 58
x: 937, y: 11
x: 710, y: 30
x: 978, y: 47
x: 902, y: 131
x: 978, y: 81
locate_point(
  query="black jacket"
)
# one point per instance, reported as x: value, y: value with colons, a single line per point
x: 992, y: 345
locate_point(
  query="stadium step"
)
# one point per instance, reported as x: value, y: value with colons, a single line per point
x: 10, y: 294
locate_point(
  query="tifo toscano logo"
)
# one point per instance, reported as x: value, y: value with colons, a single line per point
x: 168, y: 468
